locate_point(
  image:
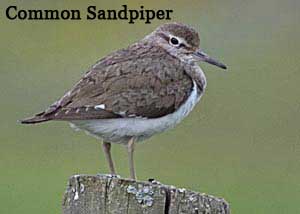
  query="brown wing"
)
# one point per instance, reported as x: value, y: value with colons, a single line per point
x: 134, y: 82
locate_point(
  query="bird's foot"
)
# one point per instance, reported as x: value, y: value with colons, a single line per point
x: 109, y: 175
x: 153, y: 181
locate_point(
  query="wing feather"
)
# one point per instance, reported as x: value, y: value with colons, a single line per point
x: 128, y: 83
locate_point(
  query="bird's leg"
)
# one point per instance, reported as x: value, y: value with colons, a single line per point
x: 106, y: 148
x: 130, y: 149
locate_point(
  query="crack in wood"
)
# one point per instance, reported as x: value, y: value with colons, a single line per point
x: 110, y: 195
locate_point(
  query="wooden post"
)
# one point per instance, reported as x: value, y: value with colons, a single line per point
x: 103, y: 194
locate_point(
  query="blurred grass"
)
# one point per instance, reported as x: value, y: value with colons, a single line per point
x: 241, y: 142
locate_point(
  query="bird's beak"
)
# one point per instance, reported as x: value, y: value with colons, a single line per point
x: 201, y: 56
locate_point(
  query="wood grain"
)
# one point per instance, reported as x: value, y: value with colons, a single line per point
x: 101, y: 194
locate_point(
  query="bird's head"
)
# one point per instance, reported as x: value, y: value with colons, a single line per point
x: 183, y: 42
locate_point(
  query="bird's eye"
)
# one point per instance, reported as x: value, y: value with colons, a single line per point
x: 174, y: 41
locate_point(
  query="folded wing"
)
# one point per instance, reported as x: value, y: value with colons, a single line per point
x: 134, y: 82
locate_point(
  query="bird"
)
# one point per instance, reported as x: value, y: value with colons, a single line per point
x: 136, y: 92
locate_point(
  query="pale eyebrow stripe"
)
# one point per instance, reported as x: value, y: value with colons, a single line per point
x: 181, y: 40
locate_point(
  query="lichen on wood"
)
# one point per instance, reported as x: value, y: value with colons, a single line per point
x: 104, y: 194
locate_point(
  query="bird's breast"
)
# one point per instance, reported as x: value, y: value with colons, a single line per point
x: 198, y: 76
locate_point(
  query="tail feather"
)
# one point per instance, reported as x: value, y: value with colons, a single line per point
x: 39, y: 118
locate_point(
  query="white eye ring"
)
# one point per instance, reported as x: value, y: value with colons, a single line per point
x: 174, y: 41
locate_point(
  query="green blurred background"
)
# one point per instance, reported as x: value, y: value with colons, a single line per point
x: 242, y: 142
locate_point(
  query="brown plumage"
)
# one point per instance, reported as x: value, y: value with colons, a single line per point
x: 134, y: 93
x: 140, y: 81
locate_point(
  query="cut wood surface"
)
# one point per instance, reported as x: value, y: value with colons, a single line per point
x: 104, y: 194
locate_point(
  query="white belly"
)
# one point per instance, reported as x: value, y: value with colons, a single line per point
x: 121, y: 130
